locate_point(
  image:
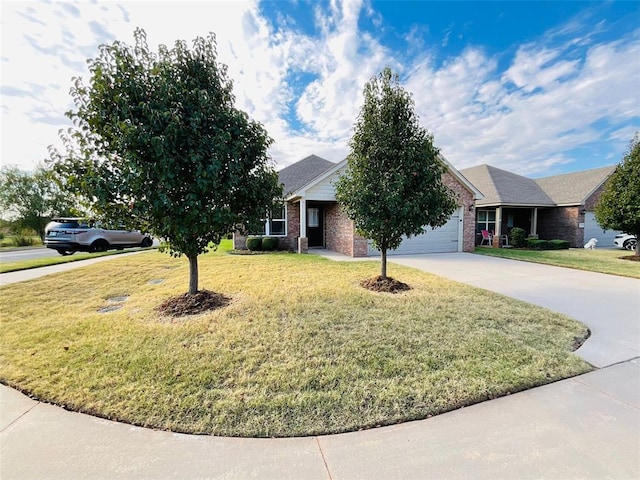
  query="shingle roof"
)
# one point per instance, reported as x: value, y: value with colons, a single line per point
x: 501, y: 187
x: 298, y: 174
x: 572, y: 188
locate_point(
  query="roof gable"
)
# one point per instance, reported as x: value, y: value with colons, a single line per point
x: 303, y: 172
x: 574, y: 188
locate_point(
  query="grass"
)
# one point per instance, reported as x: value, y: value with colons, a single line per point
x: 47, y: 261
x: 301, y: 350
x: 10, y: 241
x: 601, y: 261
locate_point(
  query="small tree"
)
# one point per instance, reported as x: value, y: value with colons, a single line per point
x: 393, y: 182
x: 619, y: 204
x: 32, y: 198
x: 158, y: 143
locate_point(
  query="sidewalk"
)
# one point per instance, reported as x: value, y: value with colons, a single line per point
x: 584, y: 427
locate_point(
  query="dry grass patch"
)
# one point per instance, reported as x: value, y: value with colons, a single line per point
x: 302, y: 349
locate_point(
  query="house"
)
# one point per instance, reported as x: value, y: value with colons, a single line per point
x: 556, y: 207
x: 311, y: 217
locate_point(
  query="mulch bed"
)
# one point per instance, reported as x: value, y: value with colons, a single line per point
x: 633, y: 258
x: 193, y: 304
x: 387, y: 285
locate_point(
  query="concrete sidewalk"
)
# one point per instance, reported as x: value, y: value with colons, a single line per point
x: 584, y: 427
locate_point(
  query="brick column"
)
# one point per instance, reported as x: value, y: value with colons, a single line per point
x: 303, y: 244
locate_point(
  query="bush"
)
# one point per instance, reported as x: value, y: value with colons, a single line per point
x: 558, y: 244
x: 517, y: 237
x: 537, y: 244
x: 254, y: 244
x: 269, y: 244
x: 23, y: 240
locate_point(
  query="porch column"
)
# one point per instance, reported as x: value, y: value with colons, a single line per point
x: 498, y: 232
x: 303, y: 217
x: 534, y: 222
x: 303, y: 241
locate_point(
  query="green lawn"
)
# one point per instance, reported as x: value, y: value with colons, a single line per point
x: 47, y: 261
x: 301, y: 350
x: 601, y: 261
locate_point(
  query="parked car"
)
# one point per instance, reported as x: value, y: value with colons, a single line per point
x: 626, y: 241
x: 70, y: 235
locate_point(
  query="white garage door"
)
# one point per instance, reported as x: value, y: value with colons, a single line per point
x: 440, y: 240
x: 593, y: 230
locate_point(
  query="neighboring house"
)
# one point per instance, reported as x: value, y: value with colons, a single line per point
x: 557, y: 207
x: 311, y: 217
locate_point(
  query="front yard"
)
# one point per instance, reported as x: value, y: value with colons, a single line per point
x: 301, y: 350
x: 599, y: 260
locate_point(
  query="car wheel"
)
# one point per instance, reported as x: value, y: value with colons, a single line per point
x: 146, y: 242
x: 630, y: 244
x: 64, y: 253
x: 99, y: 246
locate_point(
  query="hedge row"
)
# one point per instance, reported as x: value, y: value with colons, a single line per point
x: 537, y: 244
x: 262, y: 244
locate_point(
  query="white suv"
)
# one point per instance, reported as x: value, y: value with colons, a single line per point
x: 69, y: 235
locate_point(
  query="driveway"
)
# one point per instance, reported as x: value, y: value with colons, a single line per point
x: 609, y: 305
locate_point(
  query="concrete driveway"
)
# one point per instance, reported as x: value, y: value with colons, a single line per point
x: 583, y: 427
x: 609, y: 305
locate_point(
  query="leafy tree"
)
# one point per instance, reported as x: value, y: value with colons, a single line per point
x: 619, y: 205
x: 32, y: 197
x: 158, y: 143
x: 393, y: 182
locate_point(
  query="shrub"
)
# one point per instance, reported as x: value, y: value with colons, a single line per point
x: 254, y: 244
x: 269, y: 244
x: 558, y: 244
x: 517, y: 237
x: 537, y: 244
x: 22, y: 239
x: 1, y: 236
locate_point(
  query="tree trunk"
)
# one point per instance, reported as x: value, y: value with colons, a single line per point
x: 193, y: 274
x: 383, y: 266
x: 638, y: 245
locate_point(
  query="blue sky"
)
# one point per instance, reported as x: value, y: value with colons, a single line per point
x: 538, y: 88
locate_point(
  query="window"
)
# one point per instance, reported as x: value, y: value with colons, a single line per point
x: 276, y: 225
x: 313, y: 220
x: 486, y: 220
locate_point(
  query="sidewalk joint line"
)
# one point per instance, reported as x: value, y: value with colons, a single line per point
x: 326, y: 466
x: 5, y: 428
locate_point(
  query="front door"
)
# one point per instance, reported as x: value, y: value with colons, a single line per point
x: 315, y: 227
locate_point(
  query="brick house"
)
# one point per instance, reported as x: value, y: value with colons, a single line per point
x: 556, y: 207
x: 311, y: 217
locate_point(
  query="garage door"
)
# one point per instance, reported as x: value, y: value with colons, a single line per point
x: 593, y: 230
x: 440, y: 240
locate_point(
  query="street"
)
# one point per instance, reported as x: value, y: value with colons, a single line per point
x: 27, y: 254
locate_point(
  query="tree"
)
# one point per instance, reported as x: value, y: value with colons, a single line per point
x: 619, y: 204
x: 158, y: 143
x: 393, y: 182
x: 34, y: 198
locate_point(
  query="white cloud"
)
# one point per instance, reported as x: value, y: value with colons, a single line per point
x: 559, y: 93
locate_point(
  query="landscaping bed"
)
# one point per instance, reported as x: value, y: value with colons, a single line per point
x: 298, y: 347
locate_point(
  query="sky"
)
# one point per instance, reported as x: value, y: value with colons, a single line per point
x: 537, y: 88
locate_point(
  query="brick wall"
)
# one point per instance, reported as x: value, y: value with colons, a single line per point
x: 590, y: 203
x: 561, y: 223
x: 290, y: 242
x: 465, y: 200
